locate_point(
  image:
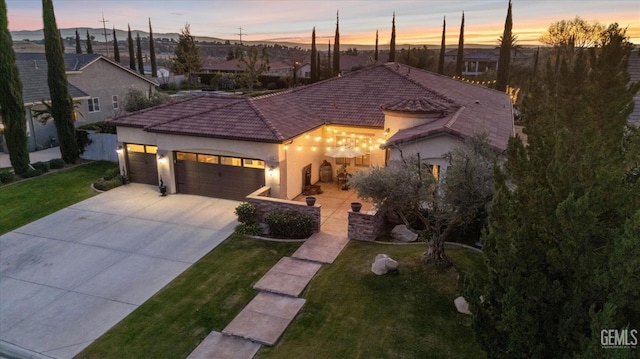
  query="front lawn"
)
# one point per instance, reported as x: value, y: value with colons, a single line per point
x: 206, y: 297
x: 353, y: 313
x: 37, y: 197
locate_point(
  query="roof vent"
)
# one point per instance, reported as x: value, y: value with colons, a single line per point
x: 478, y: 102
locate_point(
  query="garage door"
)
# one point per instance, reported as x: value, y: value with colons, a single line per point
x: 218, y: 176
x: 142, y: 163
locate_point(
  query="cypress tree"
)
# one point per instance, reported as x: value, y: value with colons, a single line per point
x: 11, y: 102
x: 314, y: 57
x: 61, y: 102
x: 139, y: 55
x: 562, y: 241
x: 89, y: 44
x: 336, y: 50
x: 329, y: 60
x: 78, y: 46
x: 460, y: 55
x: 132, y: 55
x: 375, y: 56
x: 116, y: 49
x: 505, y: 54
x: 443, y: 48
x: 152, y: 53
x: 392, y: 47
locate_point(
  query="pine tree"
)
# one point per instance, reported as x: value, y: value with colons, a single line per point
x: 116, y: 49
x: 392, y: 47
x: 376, y: 52
x: 314, y: 57
x: 132, y: 55
x: 152, y: 51
x: 61, y: 102
x: 187, y: 60
x: 139, y: 55
x: 336, y: 50
x: 443, y: 48
x: 89, y: 45
x: 460, y: 55
x: 505, y: 54
x: 11, y: 102
x: 78, y: 46
x: 561, y: 247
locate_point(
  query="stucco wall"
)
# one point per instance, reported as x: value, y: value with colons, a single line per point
x: 431, y: 150
x: 102, y: 79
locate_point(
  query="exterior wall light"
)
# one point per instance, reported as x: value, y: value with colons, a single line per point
x: 161, y: 158
x: 119, y: 150
x: 271, y: 170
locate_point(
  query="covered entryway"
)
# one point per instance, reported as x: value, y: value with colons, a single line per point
x: 142, y: 163
x: 218, y: 176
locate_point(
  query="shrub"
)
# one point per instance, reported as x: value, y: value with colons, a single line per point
x: 99, y: 127
x: 111, y: 173
x: 42, y: 166
x: 249, y: 229
x: 246, y: 213
x: 105, y: 185
x: 6, y: 177
x: 290, y: 224
x: 31, y: 173
x: 82, y: 139
x: 56, y: 163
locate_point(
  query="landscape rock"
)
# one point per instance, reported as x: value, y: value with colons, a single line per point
x: 383, y: 264
x: 461, y: 305
x: 265, y: 228
x: 401, y: 233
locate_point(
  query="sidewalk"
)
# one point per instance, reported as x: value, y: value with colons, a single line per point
x: 43, y: 155
x: 267, y: 316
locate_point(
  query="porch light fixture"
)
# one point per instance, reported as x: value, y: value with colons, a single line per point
x: 119, y: 150
x: 386, y: 132
x: 271, y: 170
x: 160, y: 158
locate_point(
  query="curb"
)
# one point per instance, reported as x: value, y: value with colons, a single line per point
x: 12, y: 351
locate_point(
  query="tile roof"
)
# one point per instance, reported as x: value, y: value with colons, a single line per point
x: 35, y: 88
x: 78, y: 62
x: 356, y: 99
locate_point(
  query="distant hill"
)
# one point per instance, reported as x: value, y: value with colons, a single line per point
x: 38, y: 35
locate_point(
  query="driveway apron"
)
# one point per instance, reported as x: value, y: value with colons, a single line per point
x: 69, y: 277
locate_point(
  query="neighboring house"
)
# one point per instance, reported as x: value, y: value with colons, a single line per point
x: 478, y: 61
x: 229, y: 147
x: 35, y: 90
x: 276, y: 68
x: 106, y: 82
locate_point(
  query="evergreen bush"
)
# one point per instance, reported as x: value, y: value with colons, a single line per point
x: 56, y: 163
x: 246, y: 213
x: 249, y: 229
x: 6, y: 177
x: 31, y: 173
x: 290, y: 224
x: 41, y: 166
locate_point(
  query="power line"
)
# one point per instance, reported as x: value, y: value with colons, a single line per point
x: 240, y: 33
x: 104, y: 27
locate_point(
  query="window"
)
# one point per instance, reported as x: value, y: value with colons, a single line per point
x: 231, y: 161
x: 254, y: 164
x: 208, y: 159
x: 185, y: 156
x: 142, y: 148
x: 114, y: 101
x: 364, y: 161
x: 435, y: 169
x: 94, y: 104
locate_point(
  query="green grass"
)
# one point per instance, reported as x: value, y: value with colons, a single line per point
x: 206, y: 297
x: 353, y: 313
x: 37, y: 197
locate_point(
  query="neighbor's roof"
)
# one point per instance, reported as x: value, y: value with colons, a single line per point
x: 356, y: 99
x: 78, y: 62
x: 35, y: 88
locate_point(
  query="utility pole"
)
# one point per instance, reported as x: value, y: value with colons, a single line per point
x: 104, y: 28
x: 240, y: 33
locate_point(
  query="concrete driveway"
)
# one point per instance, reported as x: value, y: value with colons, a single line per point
x: 69, y: 277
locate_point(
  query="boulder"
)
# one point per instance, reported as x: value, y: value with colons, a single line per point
x: 264, y: 228
x: 383, y: 264
x: 401, y: 233
x: 461, y: 305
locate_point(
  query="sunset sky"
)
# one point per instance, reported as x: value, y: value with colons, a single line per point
x: 417, y: 22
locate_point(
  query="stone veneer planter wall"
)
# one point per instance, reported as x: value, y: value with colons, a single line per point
x: 365, y: 226
x: 265, y: 204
